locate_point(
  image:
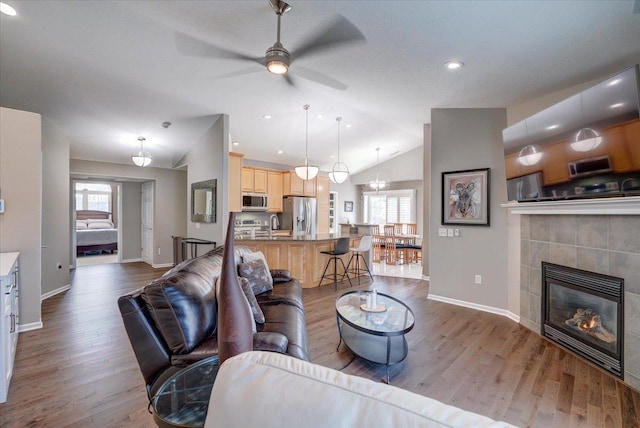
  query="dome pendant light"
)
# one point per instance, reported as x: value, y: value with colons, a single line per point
x: 306, y: 171
x: 141, y: 158
x: 529, y: 155
x: 586, y: 139
x: 340, y: 171
x: 378, y: 181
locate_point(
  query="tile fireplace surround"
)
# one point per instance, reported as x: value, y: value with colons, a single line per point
x: 600, y: 236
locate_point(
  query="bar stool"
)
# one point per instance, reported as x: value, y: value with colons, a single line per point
x: 342, y: 247
x: 365, y: 245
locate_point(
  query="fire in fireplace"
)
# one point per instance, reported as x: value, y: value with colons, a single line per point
x: 583, y: 312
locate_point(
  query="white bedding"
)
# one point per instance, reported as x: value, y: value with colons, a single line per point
x: 96, y: 237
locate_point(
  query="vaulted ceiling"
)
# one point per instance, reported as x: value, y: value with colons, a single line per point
x: 107, y: 72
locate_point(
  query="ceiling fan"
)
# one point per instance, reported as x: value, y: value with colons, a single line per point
x: 277, y: 59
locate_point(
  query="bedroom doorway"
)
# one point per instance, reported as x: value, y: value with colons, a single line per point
x: 97, y: 214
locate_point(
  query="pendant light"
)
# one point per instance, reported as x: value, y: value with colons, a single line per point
x: 340, y: 171
x: 141, y: 158
x: 586, y: 139
x: 306, y: 171
x: 529, y: 155
x: 378, y: 180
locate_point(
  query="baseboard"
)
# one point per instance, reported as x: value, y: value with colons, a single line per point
x: 28, y: 327
x: 131, y: 260
x: 476, y: 306
x: 45, y: 296
x: 161, y: 265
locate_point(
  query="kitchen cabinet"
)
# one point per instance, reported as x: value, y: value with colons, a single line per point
x: 235, y: 182
x: 254, y: 180
x: 614, y: 144
x: 275, y: 191
x: 333, y: 205
x: 322, y: 195
x: 514, y: 168
x: 9, y: 318
x: 554, y: 164
x: 295, y: 186
x: 632, y: 134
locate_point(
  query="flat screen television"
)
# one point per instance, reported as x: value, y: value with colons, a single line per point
x: 586, y: 146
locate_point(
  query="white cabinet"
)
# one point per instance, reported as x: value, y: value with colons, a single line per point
x: 9, y: 318
x: 333, y: 207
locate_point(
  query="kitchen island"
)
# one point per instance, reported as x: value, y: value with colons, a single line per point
x: 298, y: 254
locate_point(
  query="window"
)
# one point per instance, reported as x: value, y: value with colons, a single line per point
x: 93, y: 196
x: 391, y: 206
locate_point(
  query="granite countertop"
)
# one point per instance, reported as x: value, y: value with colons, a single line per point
x: 310, y: 238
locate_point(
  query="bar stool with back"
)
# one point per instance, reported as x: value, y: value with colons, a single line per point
x: 365, y: 245
x: 342, y: 247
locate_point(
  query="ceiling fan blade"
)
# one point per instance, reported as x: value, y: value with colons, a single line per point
x: 253, y: 69
x: 191, y: 46
x: 339, y: 31
x: 320, y: 78
x: 288, y: 79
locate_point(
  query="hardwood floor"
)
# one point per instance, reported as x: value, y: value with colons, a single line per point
x: 79, y: 370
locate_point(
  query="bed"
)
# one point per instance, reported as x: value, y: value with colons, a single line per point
x: 95, y: 232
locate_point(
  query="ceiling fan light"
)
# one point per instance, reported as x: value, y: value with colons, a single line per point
x: 586, y: 140
x: 277, y: 67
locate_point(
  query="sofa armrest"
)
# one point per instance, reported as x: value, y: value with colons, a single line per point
x: 280, y: 275
x: 270, y: 341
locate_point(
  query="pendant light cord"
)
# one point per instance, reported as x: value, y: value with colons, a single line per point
x: 338, y: 119
x: 306, y: 137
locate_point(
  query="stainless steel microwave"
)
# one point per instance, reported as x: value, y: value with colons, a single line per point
x: 254, y: 202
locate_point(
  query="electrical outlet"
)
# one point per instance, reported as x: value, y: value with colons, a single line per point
x: 158, y: 250
x: 442, y: 231
x: 450, y: 233
x: 478, y: 279
x: 197, y: 225
x: 456, y: 232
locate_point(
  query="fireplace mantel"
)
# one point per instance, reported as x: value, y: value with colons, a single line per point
x: 601, y: 206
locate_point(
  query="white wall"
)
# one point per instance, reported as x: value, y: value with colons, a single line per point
x: 464, y: 139
x: 130, y: 222
x: 21, y: 189
x: 405, y: 167
x: 426, y: 202
x: 208, y: 160
x: 55, y: 208
x: 347, y: 191
x: 170, y: 198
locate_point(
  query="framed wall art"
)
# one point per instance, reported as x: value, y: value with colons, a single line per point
x: 465, y: 197
x: 348, y: 206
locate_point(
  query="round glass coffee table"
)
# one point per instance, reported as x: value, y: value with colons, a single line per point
x: 183, y: 400
x: 375, y: 336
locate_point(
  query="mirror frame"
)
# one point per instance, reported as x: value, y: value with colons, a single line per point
x: 207, y: 185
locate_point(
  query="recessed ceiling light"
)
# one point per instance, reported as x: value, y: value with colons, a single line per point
x: 319, y: 116
x: 614, y: 82
x: 267, y: 116
x: 7, y: 10
x: 616, y: 105
x: 549, y: 128
x: 235, y: 143
x: 348, y: 125
x: 332, y: 156
x: 280, y: 152
x: 453, y: 65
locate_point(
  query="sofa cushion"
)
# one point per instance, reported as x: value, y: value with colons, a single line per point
x: 258, y: 316
x: 183, y: 305
x: 288, y: 320
x: 289, y: 293
x: 280, y: 275
x: 257, y: 274
x: 258, y: 255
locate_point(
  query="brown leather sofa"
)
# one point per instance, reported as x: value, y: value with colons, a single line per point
x: 172, y: 321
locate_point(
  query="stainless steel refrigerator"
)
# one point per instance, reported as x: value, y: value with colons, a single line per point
x: 300, y: 215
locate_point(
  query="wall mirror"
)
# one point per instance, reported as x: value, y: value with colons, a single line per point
x: 203, y: 201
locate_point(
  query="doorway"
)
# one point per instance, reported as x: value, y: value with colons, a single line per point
x: 147, y: 222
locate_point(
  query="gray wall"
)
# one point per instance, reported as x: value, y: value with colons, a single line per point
x: 347, y: 191
x: 21, y: 187
x: 468, y: 139
x: 426, y: 202
x: 208, y: 160
x: 55, y: 208
x: 170, y: 198
x: 130, y: 223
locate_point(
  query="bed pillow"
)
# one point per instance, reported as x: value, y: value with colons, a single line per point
x: 100, y: 225
x: 81, y: 225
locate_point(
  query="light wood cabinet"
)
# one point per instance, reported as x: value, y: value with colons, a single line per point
x: 632, y: 134
x: 254, y: 180
x: 235, y: 182
x: 322, y: 195
x: 275, y: 191
x: 554, y: 165
x: 295, y: 186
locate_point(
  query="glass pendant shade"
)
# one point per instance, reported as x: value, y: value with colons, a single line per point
x: 340, y: 171
x: 378, y: 181
x: 529, y: 155
x: 305, y: 170
x: 141, y: 158
x: 586, y: 140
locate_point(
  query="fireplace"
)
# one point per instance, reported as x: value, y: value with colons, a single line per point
x: 583, y: 312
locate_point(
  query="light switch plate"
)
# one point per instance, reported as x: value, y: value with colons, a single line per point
x: 442, y: 231
x: 450, y: 233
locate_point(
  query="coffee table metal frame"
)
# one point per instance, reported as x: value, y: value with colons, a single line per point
x: 183, y: 399
x: 361, y: 325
